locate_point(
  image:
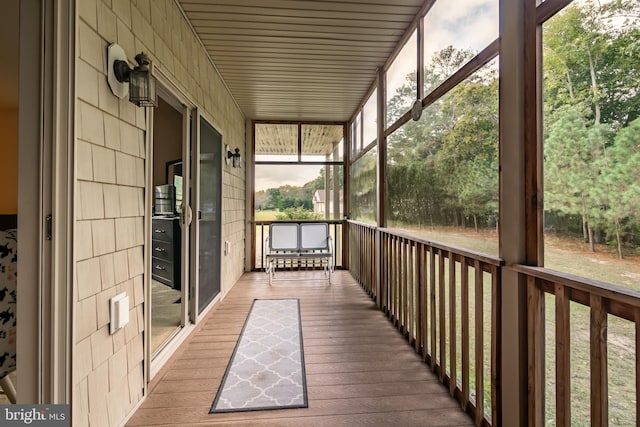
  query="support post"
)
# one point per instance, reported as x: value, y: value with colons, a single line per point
x: 520, y: 194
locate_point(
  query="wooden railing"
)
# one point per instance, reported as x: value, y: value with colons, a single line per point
x: 362, y: 256
x: 597, y: 301
x: 336, y: 229
x: 446, y: 301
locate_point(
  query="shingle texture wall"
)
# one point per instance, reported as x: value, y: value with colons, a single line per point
x: 110, y: 193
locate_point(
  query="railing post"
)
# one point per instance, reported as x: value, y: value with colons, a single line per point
x: 519, y: 198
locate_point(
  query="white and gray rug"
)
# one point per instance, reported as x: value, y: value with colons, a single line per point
x: 266, y: 370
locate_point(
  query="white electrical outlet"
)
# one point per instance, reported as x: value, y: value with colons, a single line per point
x: 119, y: 312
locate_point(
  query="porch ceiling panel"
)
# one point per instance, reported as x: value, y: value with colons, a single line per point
x: 282, y: 139
x: 300, y: 59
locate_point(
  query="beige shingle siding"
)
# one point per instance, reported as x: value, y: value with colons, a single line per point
x: 110, y: 195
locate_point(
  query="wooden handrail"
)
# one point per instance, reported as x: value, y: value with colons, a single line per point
x: 460, y: 252
x: 622, y: 302
x: 416, y: 283
x: 602, y: 299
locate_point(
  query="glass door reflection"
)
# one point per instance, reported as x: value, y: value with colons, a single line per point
x: 209, y: 214
x: 166, y: 306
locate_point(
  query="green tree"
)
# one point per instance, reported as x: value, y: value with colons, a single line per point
x: 623, y: 181
x: 292, y: 213
x: 443, y: 168
x: 469, y: 154
x: 571, y: 169
x: 274, y: 198
x: 591, y: 67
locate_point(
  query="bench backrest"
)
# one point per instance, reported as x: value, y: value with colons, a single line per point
x: 283, y: 237
x: 314, y: 236
x: 306, y: 236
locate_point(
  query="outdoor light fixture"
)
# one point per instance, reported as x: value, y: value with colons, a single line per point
x: 137, y: 82
x: 234, y: 157
x: 416, y: 110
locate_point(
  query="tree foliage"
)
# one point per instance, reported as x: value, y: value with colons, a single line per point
x: 295, y: 202
x: 297, y: 213
x: 592, y: 100
x: 443, y: 169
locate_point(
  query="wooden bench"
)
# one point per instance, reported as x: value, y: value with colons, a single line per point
x: 296, y: 242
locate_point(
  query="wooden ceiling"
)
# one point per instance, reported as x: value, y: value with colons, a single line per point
x: 300, y: 59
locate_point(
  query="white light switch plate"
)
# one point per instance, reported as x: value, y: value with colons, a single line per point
x: 119, y: 312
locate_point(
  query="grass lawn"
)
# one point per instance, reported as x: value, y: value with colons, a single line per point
x: 266, y: 215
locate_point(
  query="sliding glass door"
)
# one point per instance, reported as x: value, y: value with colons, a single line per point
x: 209, y: 217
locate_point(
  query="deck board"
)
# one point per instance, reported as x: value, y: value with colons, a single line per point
x: 360, y: 369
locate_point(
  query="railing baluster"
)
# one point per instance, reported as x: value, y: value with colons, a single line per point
x: 394, y: 287
x: 371, y: 267
x: 411, y: 311
x: 262, y: 252
x: 373, y: 255
x: 412, y: 294
x: 391, y: 277
x: 599, y: 385
x: 479, y: 347
x: 432, y: 279
x: 452, y: 325
x: 536, y: 334
x: 637, y: 322
x: 464, y: 290
x: 409, y: 290
x: 384, y: 272
x: 563, y: 357
x: 402, y: 285
x: 442, y: 324
x: 399, y: 286
x: 389, y: 281
x: 496, y: 341
x: 422, y: 295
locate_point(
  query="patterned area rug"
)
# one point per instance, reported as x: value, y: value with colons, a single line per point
x: 266, y: 370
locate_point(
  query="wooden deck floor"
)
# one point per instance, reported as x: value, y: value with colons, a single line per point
x: 360, y: 370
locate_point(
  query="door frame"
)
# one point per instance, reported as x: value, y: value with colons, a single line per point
x: 46, y: 144
x: 191, y: 140
x: 178, y: 100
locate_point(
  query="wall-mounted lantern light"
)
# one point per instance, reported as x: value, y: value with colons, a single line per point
x: 137, y: 82
x: 234, y: 157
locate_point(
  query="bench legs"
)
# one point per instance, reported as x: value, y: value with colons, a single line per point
x: 270, y: 271
x: 328, y: 268
x: 327, y: 265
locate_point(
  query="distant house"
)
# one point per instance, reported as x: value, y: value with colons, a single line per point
x: 319, y: 201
